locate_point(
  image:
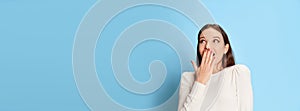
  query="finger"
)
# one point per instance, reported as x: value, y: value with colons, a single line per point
x: 208, y: 57
x: 204, y: 56
x: 212, y: 61
x: 194, y: 65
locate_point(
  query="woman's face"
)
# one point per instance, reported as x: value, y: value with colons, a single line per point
x: 213, y: 40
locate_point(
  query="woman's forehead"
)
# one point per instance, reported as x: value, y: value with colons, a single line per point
x: 210, y: 33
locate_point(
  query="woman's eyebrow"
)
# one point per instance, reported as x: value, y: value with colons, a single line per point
x: 202, y: 37
x: 216, y: 37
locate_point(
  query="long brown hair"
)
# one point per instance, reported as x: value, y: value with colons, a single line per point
x: 228, y: 58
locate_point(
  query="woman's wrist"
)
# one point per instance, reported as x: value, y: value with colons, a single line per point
x: 202, y: 81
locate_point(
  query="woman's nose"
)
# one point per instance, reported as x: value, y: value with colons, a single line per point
x: 207, y: 46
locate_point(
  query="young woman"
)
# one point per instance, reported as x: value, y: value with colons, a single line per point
x: 217, y: 84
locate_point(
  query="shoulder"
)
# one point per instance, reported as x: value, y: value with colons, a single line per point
x: 239, y: 71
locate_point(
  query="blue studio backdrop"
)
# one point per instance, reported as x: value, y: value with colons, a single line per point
x: 129, y: 55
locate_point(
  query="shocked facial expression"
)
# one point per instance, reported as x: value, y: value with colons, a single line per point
x: 213, y: 40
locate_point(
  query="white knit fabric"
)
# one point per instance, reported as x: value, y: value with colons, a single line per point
x: 227, y: 90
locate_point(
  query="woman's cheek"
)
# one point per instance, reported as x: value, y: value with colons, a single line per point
x: 219, y: 57
x: 201, y: 52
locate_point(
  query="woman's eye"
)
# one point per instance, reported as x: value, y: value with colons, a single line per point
x: 202, y: 41
x: 216, y: 41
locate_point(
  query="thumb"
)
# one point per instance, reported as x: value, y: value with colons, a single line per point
x: 194, y: 65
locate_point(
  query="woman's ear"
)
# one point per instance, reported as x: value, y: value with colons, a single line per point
x: 226, y: 48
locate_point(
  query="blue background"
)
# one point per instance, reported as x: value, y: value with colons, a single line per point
x: 36, y: 41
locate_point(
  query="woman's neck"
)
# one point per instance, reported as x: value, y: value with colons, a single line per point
x: 218, y: 67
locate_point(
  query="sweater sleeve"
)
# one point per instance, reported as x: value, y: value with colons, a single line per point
x: 243, y: 88
x: 191, y: 94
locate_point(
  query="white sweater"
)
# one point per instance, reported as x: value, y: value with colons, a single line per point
x: 227, y: 90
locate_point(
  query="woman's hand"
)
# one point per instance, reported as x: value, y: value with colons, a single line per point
x: 205, y: 70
